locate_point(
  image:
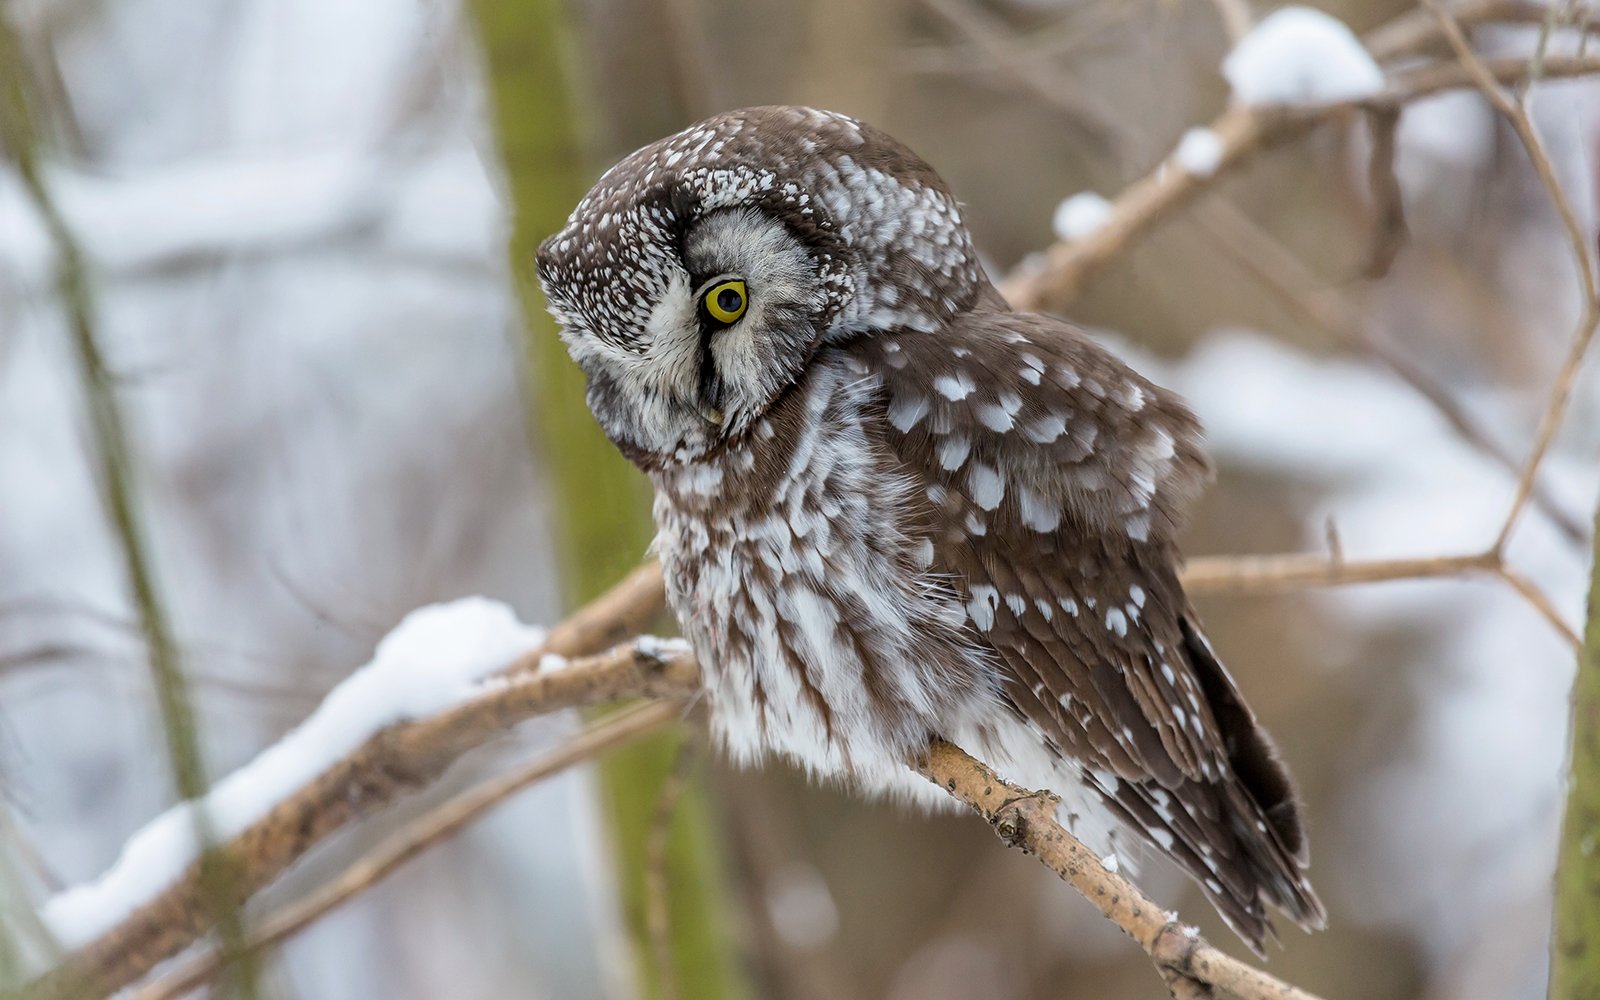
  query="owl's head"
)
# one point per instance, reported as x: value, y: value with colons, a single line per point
x: 700, y: 275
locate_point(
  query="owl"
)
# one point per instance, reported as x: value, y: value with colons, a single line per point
x: 890, y: 508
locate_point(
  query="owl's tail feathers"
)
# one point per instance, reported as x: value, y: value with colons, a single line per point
x: 1239, y: 834
x: 1257, y: 801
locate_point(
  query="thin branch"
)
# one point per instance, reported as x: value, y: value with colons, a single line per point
x: 1416, y: 32
x: 1027, y: 820
x: 1541, y: 603
x: 1272, y: 574
x: 1516, y: 113
x: 1275, y: 574
x: 423, y: 833
x: 999, y: 48
x: 1281, y: 272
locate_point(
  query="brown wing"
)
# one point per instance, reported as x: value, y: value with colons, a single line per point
x: 1058, y: 478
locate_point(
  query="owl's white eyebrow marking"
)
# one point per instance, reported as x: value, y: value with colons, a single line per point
x: 986, y: 487
x: 954, y: 387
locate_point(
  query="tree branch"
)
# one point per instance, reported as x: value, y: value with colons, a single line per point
x: 1243, y: 131
x: 427, y: 831
x: 1027, y: 821
x: 396, y: 760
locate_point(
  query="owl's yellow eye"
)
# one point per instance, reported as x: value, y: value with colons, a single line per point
x: 726, y: 301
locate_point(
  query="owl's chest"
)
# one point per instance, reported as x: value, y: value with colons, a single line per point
x: 793, y: 573
x: 752, y: 539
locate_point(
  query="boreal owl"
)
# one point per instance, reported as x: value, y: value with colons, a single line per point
x: 891, y: 508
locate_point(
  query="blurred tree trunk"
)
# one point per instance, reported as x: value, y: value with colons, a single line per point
x: 601, y: 503
x: 1575, y: 944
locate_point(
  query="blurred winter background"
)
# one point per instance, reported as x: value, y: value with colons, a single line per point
x: 296, y: 213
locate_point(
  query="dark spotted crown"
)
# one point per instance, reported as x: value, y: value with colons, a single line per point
x: 883, y: 230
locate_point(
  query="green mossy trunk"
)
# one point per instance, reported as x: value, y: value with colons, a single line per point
x: 1575, y: 943
x: 601, y: 503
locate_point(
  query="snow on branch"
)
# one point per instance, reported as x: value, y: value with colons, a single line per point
x: 1277, y: 102
x: 432, y: 661
x: 1298, y: 55
x: 345, y: 778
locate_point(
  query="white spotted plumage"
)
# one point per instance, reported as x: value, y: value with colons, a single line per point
x: 889, y: 508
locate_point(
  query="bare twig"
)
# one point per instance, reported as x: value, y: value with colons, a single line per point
x: 438, y: 825
x: 1027, y: 820
x: 1516, y: 113
x: 1281, y: 272
x: 1274, y: 574
x: 1269, y: 574
x: 998, y: 47
x: 1540, y: 601
x: 1416, y: 32
x: 1389, y: 228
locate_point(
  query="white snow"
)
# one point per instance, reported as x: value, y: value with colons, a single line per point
x: 662, y: 649
x: 1199, y: 152
x: 1079, y: 216
x: 429, y: 662
x: 1298, y: 55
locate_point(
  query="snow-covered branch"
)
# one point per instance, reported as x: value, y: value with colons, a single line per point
x: 1290, y: 81
x: 449, y: 679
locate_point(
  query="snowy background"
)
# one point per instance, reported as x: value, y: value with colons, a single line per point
x: 294, y: 218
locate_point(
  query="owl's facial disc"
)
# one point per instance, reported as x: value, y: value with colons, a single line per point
x: 738, y: 316
x: 753, y: 351
x: 696, y: 279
